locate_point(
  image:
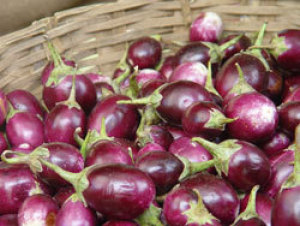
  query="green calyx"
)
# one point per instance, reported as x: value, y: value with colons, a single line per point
x: 250, y: 211
x: 71, y: 101
x: 32, y: 159
x: 122, y: 65
x: 60, y: 68
x: 191, y: 168
x: 133, y: 89
x: 222, y: 152
x: 11, y: 111
x: 294, y: 179
x: 154, y: 99
x: 279, y: 46
x: 78, y: 180
x: 36, y: 159
x: 151, y: 217
x: 197, y: 213
x: 217, y: 120
x: 209, y: 82
x: 92, y: 137
x: 242, y: 86
x: 216, y: 52
x: 256, y: 49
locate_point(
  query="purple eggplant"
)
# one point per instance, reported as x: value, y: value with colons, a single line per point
x: 73, y: 213
x: 62, y: 121
x: 107, y: 152
x: 85, y: 92
x: 145, y: 53
x: 165, y: 169
x: 176, y: 132
x: 276, y: 144
x: 190, y: 71
x: 249, y: 216
x: 120, y: 120
x: 285, y: 49
x: 38, y: 210
x: 184, y: 206
x: 281, y: 170
x: 24, y: 128
x: 264, y: 206
x: 149, y: 87
x: 256, y: 117
x: 243, y: 43
x: 204, y: 119
x: 24, y: 101
x: 149, y: 147
x: 192, y: 151
x: 207, y: 27
x: 146, y: 75
x: 124, y: 193
x: 252, y: 63
x: 64, y: 155
x: 168, y: 67
x: 102, y: 89
x: 17, y: 183
x: 242, y: 163
x: 203, y: 52
x: 173, y: 99
x: 285, y: 209
x: 225, y: 204
x: 153, y: 134
x: 63, y: 194
x: 57, y: 86
x: 289, y: 116
x: 274, y: 85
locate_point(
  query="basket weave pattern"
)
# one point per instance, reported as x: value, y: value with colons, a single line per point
x: 95, y: 35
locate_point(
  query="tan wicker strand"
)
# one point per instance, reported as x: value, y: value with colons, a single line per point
x: 95, y: 35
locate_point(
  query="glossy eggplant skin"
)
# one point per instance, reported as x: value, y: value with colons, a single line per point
x: 177, y: 97
x: 124, y: 193
x: 22, y: 184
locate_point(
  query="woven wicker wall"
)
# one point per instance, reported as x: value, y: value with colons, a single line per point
x: 95, y: 35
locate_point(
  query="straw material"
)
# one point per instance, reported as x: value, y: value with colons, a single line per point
x: 95, y: 35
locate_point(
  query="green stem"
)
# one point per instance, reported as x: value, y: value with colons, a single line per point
x: 77, y: 137
x: 197, y: 167
x: 103, y: 133
x: 210, y: 146
x: 231, y: 42
x: 20, y: 158
x: 242, y: 86
x: 191, y: 168
x: 11, y: 111
x: 78, y: 180
x: 250, y: 211
x: 71, y: 101
x: 260, y: 35
x: 85, y: 144
x: 257, y: 51
x: 209, y: 82
x: 60, y: 68
x: 55, y: 55
x: 297, y: 155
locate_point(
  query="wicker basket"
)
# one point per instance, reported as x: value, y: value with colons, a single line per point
x: 95, y: 35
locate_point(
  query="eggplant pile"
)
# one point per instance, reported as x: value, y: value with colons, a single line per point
x: 207, y: 136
